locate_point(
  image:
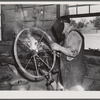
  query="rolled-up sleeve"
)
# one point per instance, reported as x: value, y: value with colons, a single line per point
x: 73, y: 43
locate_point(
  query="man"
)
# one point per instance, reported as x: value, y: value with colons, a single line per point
x: 72, y: 49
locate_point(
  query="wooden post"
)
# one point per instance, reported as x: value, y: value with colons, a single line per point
x: 64, y: 10
x: 57, y: 11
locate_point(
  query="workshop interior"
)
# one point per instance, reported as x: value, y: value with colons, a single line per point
x: 26, y: 58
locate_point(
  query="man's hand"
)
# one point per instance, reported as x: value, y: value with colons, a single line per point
x: 55, y: 46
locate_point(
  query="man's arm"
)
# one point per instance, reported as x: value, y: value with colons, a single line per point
x: 73, y: 49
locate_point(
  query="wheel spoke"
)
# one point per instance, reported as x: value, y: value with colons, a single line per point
x: 39, y: 42
x: 45, y: 51
x: 36, y: 65
x: 24, y: 44
x: 28, y: 62
x: 44, y: 62
x: 22, y: 48
x: 45, y: 46
x: 41, y: 39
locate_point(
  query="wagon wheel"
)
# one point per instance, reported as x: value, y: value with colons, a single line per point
x: 33, y: 53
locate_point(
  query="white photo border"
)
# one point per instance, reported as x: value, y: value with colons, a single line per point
x: 49, y: 94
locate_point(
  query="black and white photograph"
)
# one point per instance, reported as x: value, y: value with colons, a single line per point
x: 50, y: 47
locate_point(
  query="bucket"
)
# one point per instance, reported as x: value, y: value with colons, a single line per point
x: 20, y: 84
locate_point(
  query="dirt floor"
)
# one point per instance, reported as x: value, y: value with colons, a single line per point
x: 88, y: 84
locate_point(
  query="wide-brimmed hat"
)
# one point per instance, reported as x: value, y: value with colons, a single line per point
x: 58, y: 26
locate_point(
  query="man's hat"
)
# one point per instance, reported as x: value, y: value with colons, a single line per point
x: 58, y: 26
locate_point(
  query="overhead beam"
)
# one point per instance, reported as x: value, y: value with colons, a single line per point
x: 84, y: 15
x: 81, y: 5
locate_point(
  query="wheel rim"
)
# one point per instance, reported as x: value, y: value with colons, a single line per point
x: 39, y: 72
